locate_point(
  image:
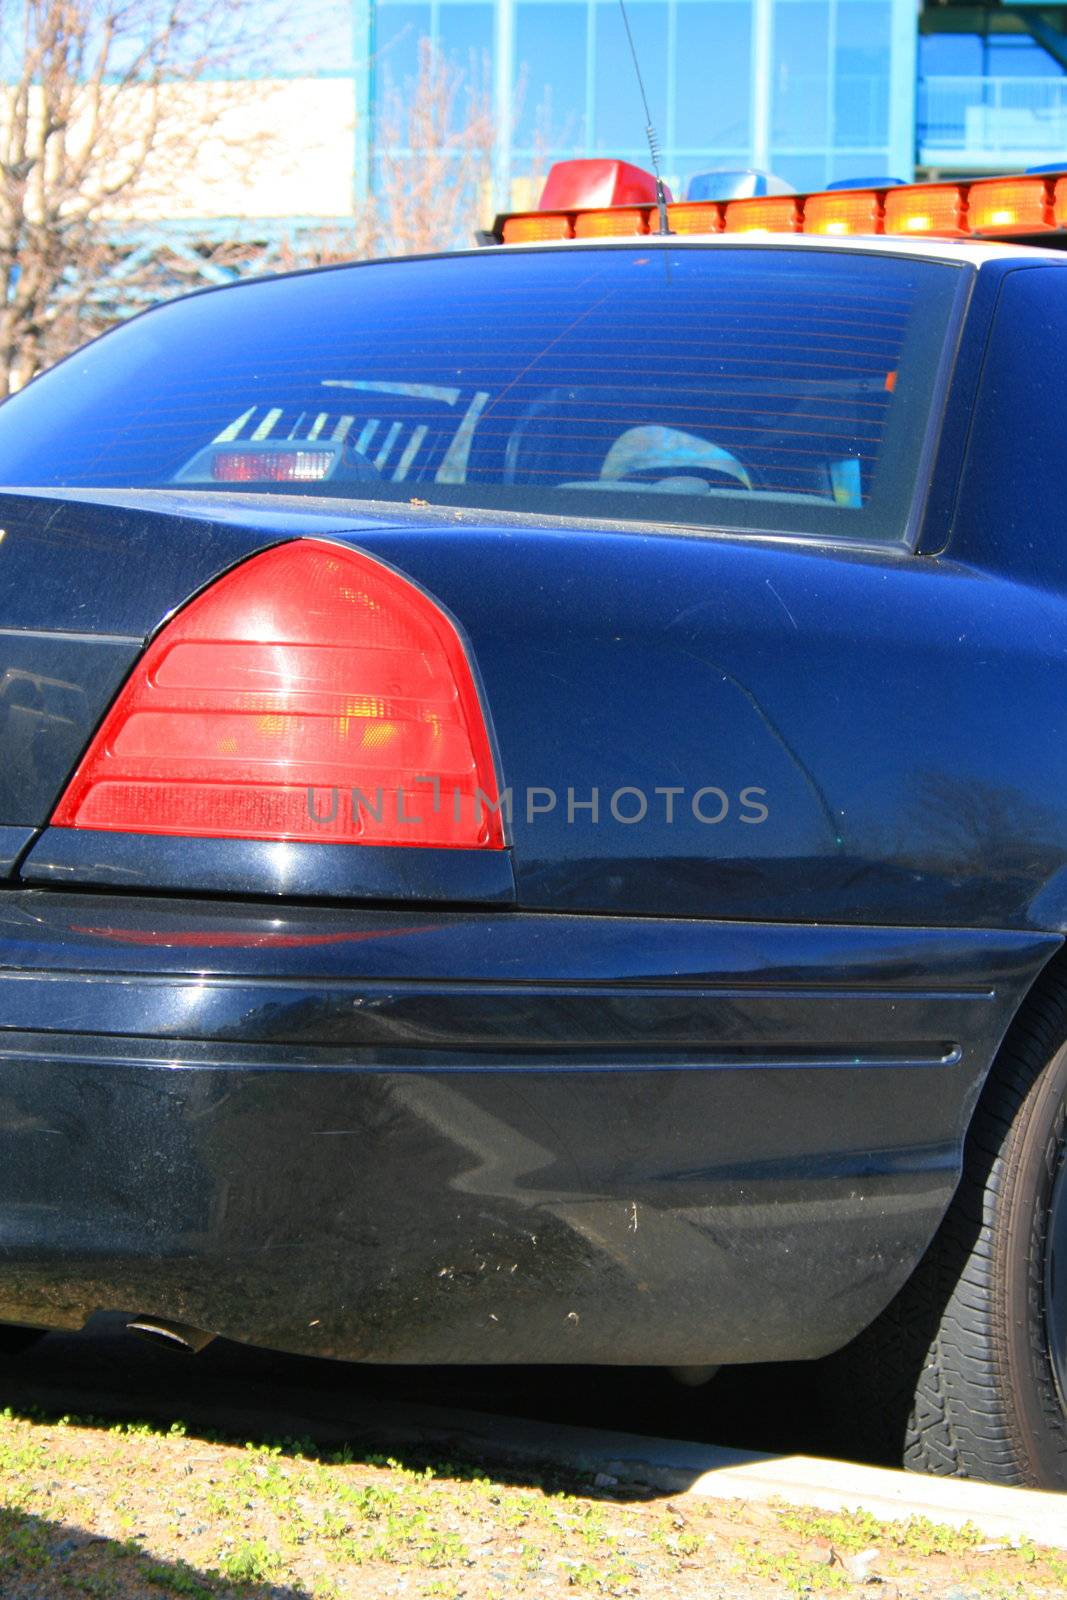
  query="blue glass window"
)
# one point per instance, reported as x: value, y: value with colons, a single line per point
x: 465, y: 33
x: 1019, y: 58
x: 712, y: 75
x: 861, y: 74
x: 399, y: 29
x: 618, y: 117
x: 550, y: 56
x: 950, y: 55
x: 801, y: 73
x: 803, y: 172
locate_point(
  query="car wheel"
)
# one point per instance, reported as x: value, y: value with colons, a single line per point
x: 966, y: 1372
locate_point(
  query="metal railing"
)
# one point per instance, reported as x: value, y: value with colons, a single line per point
x: 979, y: 121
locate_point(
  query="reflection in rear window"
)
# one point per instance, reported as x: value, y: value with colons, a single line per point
x: 782, y: 389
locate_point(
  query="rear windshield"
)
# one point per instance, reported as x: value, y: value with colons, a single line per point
x: 787, y: 390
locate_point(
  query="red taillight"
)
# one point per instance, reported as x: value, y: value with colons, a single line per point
x: 310, y: 694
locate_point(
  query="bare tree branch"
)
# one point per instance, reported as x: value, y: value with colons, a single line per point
x: 109, y: 107
x: 103, y: 107
x: 434, y: 142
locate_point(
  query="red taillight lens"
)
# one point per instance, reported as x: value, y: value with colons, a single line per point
x: 310, y: 694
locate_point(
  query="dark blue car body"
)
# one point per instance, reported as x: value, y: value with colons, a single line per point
x: 694, y: 1091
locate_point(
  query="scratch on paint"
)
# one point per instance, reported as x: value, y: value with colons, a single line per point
x: 782, y: 603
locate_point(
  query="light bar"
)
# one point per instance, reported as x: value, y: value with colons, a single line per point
x: 612, y: 222
x: 774, y: 214
x: 594, y: 183
x: 1024, y: 206
x: 743, y: 183
x: 1059, y: 203
x: 527, y: 230
x: 929, y: 208
x: 695, y: 216
x: 1008, y: 206
x: 853, y: 211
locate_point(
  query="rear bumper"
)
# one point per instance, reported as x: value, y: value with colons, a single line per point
x: 485, y: 1136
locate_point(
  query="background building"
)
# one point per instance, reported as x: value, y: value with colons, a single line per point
x: 813, y: 90
x: 345, y: 128
x: 992, y: 88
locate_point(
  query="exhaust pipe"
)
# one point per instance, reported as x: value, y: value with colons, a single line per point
x: 692, y: 1377
x: 171, y: 1335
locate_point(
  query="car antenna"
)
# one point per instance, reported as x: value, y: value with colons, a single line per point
x: 650, y: 132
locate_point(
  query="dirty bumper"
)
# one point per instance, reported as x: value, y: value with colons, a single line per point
x: 485, y: 1136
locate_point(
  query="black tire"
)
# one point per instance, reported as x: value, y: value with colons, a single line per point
x: 959, y: 1376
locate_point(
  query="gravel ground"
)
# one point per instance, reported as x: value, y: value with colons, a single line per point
x: 130, y: 1510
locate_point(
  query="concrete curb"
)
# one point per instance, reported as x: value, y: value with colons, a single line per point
x: 682, y: 1467
x: 623, y: 1461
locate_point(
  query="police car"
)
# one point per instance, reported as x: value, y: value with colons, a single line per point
x: 533, y: 810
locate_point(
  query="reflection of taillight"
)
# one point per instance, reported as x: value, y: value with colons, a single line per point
x: 310, y: 694
x: 271, y: 466
x: 264, y: 461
